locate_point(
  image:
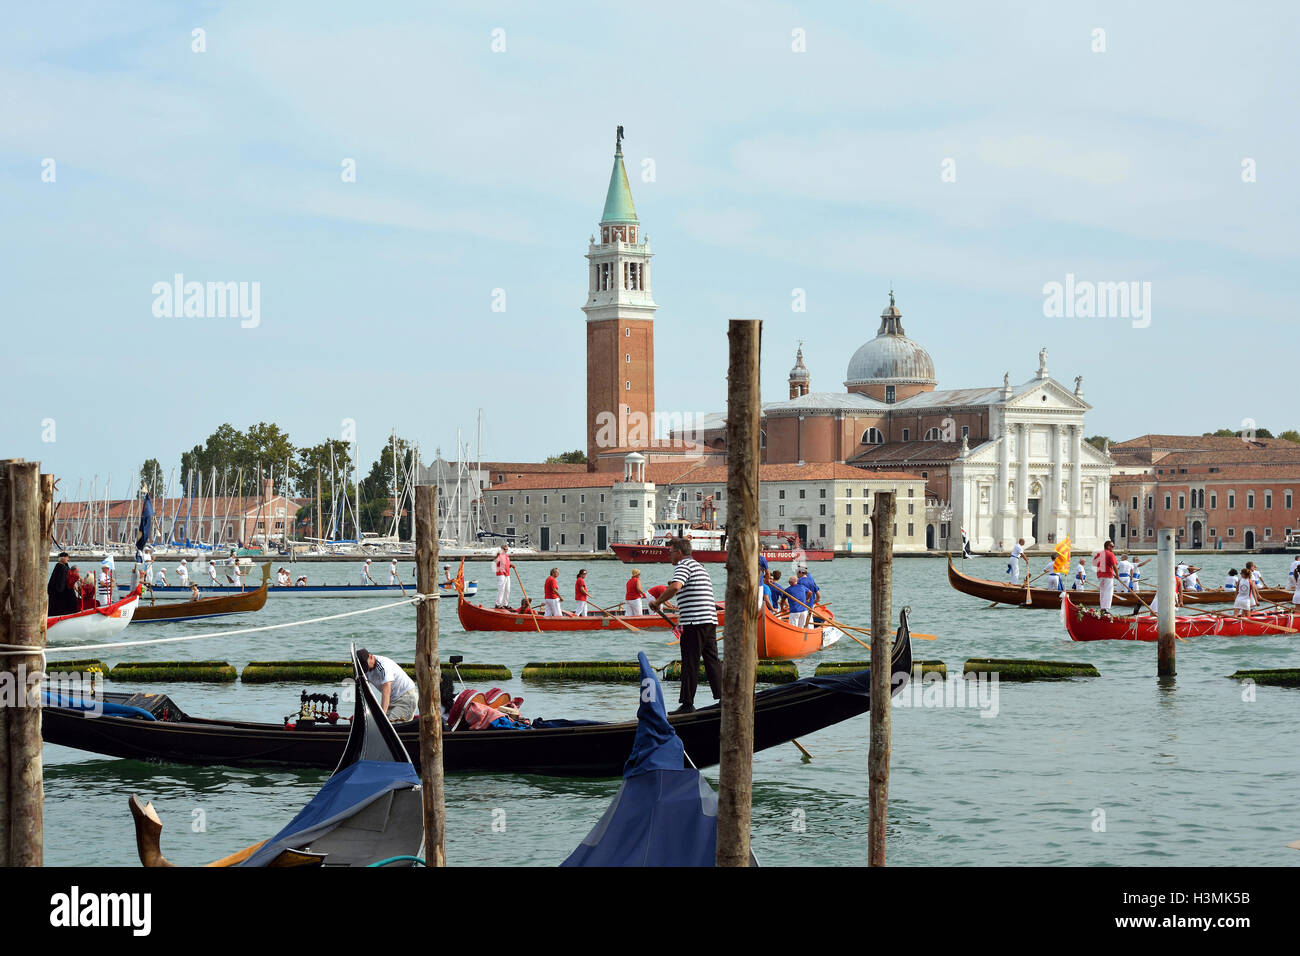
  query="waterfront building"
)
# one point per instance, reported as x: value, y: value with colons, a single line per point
x: 1232, y: 494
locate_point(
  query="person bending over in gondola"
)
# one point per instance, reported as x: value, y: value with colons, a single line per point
x: 398, y: 694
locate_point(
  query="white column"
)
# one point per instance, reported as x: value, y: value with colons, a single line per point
x: 1053, y: 496
x: 1076, y: 480
x: 1022, y: 476
x: 1004, y: 471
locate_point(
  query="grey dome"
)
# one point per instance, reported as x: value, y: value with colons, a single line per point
x: 891, y: 357
x: 800, y: 371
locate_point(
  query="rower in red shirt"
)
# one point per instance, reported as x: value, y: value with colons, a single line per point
x: 580, y: 593
x: 1107, y: 570
x: 657, y: 591
x: 551, y: 594
x: 633, y: 595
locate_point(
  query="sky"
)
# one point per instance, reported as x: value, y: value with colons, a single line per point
x: 966, y: 154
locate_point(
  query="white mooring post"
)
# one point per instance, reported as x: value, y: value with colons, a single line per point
x: 1165, y: 610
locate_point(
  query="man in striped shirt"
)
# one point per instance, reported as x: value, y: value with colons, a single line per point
x: 697, y: 613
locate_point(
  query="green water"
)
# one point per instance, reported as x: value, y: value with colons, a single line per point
x: 1112, y: 770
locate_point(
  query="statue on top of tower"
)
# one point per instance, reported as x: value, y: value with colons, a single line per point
x: 618, y: 141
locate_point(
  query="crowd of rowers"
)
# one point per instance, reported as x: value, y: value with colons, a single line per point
x: 795, y: 598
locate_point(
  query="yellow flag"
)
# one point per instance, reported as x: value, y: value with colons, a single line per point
x: 1062, y: 563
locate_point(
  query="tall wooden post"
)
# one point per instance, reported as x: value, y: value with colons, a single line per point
x: 736, y: 764
x: 428, y: 676
x: 26, y: 518
x: 1166, y: 608
x: 882, y: 645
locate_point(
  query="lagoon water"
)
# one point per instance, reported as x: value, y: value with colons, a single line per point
x: 1114, y: 770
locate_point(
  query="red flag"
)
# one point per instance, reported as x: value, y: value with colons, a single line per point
x: 460, y: 577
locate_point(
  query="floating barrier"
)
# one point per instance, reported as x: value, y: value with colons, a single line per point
x: 1023, y: 670
x: 332, y: 672
x: 621, y: 672
x: 1283, y: 677
x: 87, y: 666
x: 848, y: 667
x: 208, y: 672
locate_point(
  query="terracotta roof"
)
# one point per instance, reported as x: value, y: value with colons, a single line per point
x: 1265, y: 472
x: 908, y: 451
x: 533, y: 467
x: 672, y: 473
x: 1155, y: 447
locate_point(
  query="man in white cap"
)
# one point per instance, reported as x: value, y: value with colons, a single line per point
x: 148, y: 565
x: 282, y: 578
x: 212, y: 572
x: 365, y: 574
x: 398, y: 696
x: 238, y: 572
x: 183, y: 572
x: 392, y: 573
x: 104, y: 589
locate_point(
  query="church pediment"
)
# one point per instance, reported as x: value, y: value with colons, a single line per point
x: 1046, y: 393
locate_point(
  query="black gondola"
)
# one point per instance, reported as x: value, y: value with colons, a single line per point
x: 370, y: 811
x: 556, y: 748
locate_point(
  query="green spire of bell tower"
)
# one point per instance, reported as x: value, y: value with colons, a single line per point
x: 618, y: 200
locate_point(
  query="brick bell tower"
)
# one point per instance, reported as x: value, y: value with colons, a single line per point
x: 620, y: 325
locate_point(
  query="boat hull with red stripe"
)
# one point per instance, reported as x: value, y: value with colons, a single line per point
x: 475, y: 617
x: 1088, y: 625
x: 658, y: 554
x: 96, y: 624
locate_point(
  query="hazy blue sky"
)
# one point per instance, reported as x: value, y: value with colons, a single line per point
x: 774, y: 170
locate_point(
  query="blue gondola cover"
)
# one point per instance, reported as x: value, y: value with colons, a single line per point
x: 662, y: 815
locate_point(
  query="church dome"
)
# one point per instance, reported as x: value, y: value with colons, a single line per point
x: 800, y: 371
x: 891, y: 357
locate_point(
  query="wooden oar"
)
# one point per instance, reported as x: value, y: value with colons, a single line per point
x: 861, y: 630
x: 1227, y: 614
x: 526, y: 598
x: 617, y: 618
x: 677, y: 630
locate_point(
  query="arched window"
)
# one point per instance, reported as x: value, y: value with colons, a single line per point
x: 934, y: 434
x: 872, y: 436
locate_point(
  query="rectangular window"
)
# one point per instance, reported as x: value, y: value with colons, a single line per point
x: 1250, y: 500
x: 1268, y: 534
x: 1287, y: 498
x: 602, y: 516
x: 546, y: 499
x: 1232, y: 532
x: 889, y: 398
x: 543, y: 517
x: 907, y: 432
x: 632, y: 502
x: 911, y: 492
x: 510, y: 518
x: 780, y: 527
x: 494, y: 499
x: 582, y: 516
x: 1232, y: 500
x: 1268, y: 499
x: 1167, y: 497
x: 866, y: 530
x: 563, y: 517
x: 627, y: 358
x: 965, y: 431
x: 526, y: 521
x: 1182, y: 502
x: 821, y: 492
x: 848, y: 531
x: 1135, y: 503
x: 1214, y: 502
x: 582, y: 499
x: 564, y: 499
x: 823, y: 509
x: 911, y: 530
x: 911, y: 508
x: 781, y: 494
x: 925, y: 474
x: 494, y: 519
x: 512, y: 501
x: 848, y: 493
x: 780, y: 510
x: 821, y: 531
x: 1151, y: 502
x: 561, y: 537
x: 848, y: 509
x: 526, y: 499
x: 582, y: 539
x: 801, y: 492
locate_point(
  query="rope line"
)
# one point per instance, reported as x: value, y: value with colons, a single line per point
x: 18, y: 650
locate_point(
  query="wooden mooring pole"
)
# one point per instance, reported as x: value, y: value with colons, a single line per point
x: 1166, y: 609
x: 882, y: 645
x: 428, y: 676
x: 736, y: 764
x: 26, y: 518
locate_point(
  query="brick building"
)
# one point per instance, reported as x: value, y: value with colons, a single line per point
x: 826, y: 504
x: 1229, y: 493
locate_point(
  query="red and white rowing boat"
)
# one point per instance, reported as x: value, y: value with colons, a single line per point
x: 474, y: 617
x: 97, y: 624
x: 709, y: 545
x: 1088, y: 624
